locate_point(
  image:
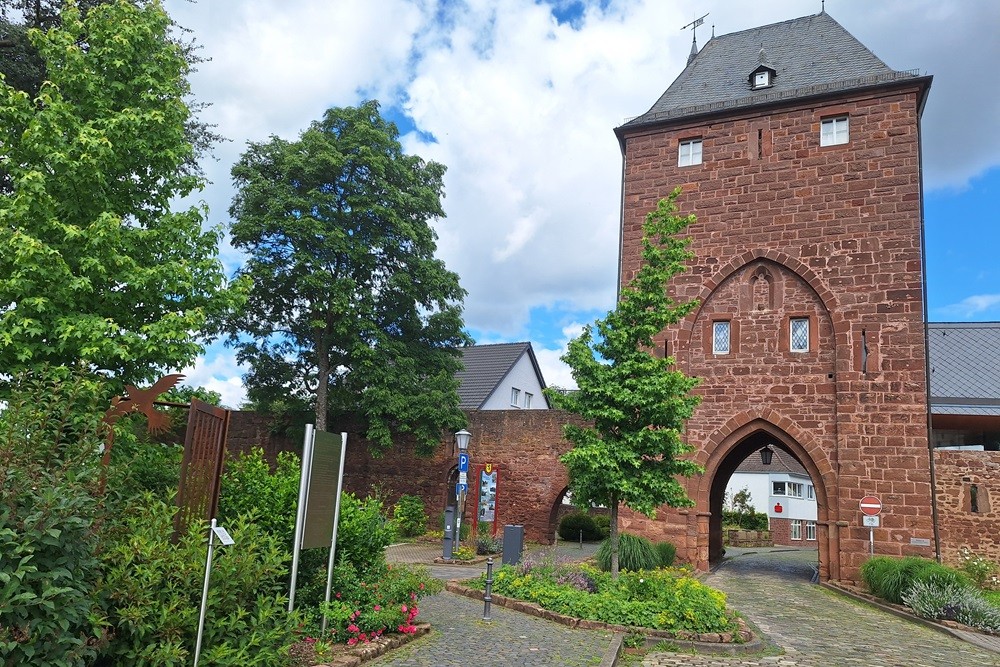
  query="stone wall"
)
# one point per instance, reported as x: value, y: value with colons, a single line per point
x: 789, y: 229
x: 968, y: 503
x: 523, y: 445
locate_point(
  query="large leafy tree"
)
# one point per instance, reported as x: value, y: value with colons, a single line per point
x: 636, y: 401
x: 350, y: 311
x: 94, y: 265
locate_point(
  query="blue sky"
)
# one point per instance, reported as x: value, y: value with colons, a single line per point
x: 518, y: 98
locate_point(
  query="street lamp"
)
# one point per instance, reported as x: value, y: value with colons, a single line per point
x: 462, y: 441
x: 765, y: 455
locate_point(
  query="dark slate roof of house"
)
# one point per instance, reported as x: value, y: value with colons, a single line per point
x: 812, y: 55
x: 964, y: 360
x: 780, y: 462
x: 485, y: 368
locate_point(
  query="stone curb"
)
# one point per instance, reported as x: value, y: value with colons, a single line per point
x: 376, y: 648
x: 902, y: 612
x: 714, y: 643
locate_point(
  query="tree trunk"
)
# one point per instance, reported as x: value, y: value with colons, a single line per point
x: 613, y: 536
x: 322, y: 382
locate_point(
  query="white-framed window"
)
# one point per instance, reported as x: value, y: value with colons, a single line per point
x: 834, y: 131
x: 798, y: 335
x: 810, y: 493
x: 793, y: 489
x: 720, y: 337
x: 796, y: 529
x: 777, y: 488
x: 689, y: 153
x: 515, y: 397
x: 811, y: 530
x: 527, y: 400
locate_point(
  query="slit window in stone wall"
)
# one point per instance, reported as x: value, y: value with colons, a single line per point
x: 974, y: 497
x: 720, y: 337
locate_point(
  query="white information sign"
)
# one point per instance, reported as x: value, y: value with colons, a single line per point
x: 223, y: 535
x: 871, y: 521
x: 463, y: 478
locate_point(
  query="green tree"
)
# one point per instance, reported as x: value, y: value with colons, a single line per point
x: 637, y: 402
x: 349, y: 310
x: 94, y: 265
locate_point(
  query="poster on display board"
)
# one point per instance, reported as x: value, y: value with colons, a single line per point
x: 487, y: 482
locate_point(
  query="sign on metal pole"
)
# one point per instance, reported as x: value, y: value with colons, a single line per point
x: 870, y: 521
x: 871, y: 505
x: 463, y: 462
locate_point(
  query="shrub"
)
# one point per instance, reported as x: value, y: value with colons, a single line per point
x: 942, y: 599
x: 634, y: 553
x: 603, y: 523
x: 890, y: 578
x: 50, y: 435
x: 410, y: 516
x: 981, y: 570
x: 745, y: 520
x: 154, y: 591
x: 487, y: 544
x: 572, y: 524
x: 666, y: 552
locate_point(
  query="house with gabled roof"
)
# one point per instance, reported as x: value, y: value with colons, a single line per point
x: 501, y: 376
x: 783, y: 491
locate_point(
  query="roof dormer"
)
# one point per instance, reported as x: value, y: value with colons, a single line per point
x: 762, y: 77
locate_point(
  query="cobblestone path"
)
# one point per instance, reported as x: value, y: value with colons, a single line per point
x: 818, y: 628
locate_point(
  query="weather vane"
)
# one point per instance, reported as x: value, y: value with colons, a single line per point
x: 694, y: 25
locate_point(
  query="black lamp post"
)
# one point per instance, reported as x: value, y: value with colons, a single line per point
x: 766, y: 454
x: 462, y: 440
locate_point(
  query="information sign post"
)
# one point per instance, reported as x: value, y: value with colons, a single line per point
x: 870, y: 507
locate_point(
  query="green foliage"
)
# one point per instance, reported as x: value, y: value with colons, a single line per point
x: 463, y: 552
x: 982, y: 571
x: 942, y: 599
x: 341, y: 255
x: 745, y: 520
x: 385, y: 601
x: 153, y: 588
x: 49, y: 510
x: 250, y: 487
x: 667, y: 553
x: 572, y: 524
x: 662, y: 599
x: 890, y: 578
x: 603, y: 523
x: 636, y: 401
x: 94, y: 265
x: 410, y: 516
x: 634, y: 553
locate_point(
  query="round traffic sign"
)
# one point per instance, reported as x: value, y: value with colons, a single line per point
x: 871, y: 506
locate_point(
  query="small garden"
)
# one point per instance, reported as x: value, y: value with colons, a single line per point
x: 968, y: 594
x: 649, y: 592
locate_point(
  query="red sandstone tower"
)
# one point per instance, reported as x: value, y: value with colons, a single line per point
x: 799, y: 152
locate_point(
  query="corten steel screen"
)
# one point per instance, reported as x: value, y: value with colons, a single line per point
x: 322, y: 498
x: 201, y: 468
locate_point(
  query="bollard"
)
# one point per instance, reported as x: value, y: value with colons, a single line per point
x: 487, y: 598
x: 581, y: 539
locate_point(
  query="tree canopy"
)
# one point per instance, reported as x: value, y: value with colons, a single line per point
x: 95, y: 266
x: 349, y: 311
x: 636, y: 401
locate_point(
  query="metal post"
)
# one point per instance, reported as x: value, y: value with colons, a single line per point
x: 460, y: 510
x: 871, y: 540
x: 581, y: 539
x: 300, y: 518
x: 336, y: 520
x: 487, y: 596
x: 204, y: 593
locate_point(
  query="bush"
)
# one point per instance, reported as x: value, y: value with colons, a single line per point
x: 572, y: 524
x: 745, y: 520
x: 890, y: 578
x: 942, y: 599
x: 603, y: 523
x: 981, y: 570
x: 666, y: 552
x: 50, y: 435
x: 410, y: 516
x: 634, y: 553
x: 154, y: 591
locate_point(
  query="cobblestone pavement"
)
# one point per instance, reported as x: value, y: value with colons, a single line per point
x: 461, y: 638
x: 818, y: 628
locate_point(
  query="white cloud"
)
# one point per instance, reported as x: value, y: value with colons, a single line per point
x: 973, y: 306
x: 555, y: 372
x: 219, y: 372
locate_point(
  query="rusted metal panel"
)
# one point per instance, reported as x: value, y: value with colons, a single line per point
x: 201, y: 468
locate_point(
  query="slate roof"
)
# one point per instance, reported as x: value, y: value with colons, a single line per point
x: 780, y: 462
x: 812, y: 55
x: 485, y: 368
x: 964, y: 360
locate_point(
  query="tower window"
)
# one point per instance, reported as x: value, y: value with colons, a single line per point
x: 720, y: 337
x: 834, y: 131
x: 689, y: 153
x: 799, y: 339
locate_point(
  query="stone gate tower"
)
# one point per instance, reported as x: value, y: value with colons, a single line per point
x: 799, y: 152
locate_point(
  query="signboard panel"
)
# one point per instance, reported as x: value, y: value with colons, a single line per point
x: 322, y: 498
x: 871, y: 505
x: 463, y: 462
x: 870, y: 521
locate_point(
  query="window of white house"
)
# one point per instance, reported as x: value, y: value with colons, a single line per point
x: 689, y: 153
x: 527, y: 400
x: 834, y: 131
x: 799, y: 334
x: 777, y: 488
x: 796, y: 529
x: 720, y: 337
x: 811, y: 530
x: 793, y: 489
x: 515, y: 397
x: 810, y: 492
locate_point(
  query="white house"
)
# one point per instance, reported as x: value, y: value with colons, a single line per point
x: 503, y: 376
x: 782, y: 490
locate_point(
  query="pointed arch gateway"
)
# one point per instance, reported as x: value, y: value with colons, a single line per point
x: 743, y: 436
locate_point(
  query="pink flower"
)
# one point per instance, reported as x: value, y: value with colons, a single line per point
x: 352, y: 641
x: 421, y: 586
x: 403, y: 609
x: 353, y: 628
x: 378, y: 608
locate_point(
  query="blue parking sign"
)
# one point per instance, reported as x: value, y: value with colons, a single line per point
x: 463, y: 462
x: 461, y: 488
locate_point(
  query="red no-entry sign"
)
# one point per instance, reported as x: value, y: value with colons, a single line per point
x: 871, y: 506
